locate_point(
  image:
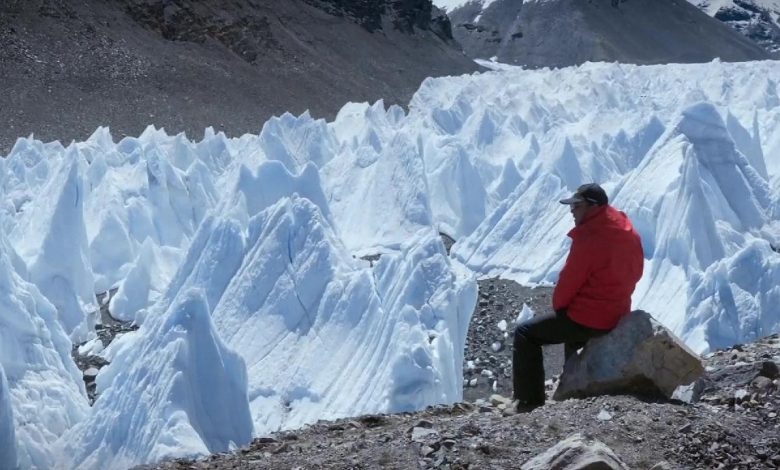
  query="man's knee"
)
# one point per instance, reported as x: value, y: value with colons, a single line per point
x: 523, y: 333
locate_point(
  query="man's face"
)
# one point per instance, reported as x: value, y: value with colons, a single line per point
x: 579, y: 210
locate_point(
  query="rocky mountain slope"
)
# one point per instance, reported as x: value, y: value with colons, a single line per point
x: 68, y: 67
x: 568, y: 32
x: 758, y: 20
x: 729, y: 419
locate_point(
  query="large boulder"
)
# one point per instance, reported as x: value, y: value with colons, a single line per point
x: 640, y: 356
x: 576, y: 453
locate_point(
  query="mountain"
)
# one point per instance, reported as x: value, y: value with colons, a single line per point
x: 559, y: 33
x: 69, y: 67
x: 758, y: 20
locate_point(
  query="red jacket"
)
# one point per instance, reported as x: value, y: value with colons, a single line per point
x: 604, y: 264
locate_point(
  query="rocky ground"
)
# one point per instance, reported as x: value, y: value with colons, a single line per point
x: 487, y: 367
x: 729, y: 419
x: 734, y: 424
x: 86, y: 354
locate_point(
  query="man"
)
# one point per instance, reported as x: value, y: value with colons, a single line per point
x: 593, y: 292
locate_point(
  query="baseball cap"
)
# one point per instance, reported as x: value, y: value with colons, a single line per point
x: 590, y: 192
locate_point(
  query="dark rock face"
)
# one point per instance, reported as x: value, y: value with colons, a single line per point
x: 569, y: 32
x: 366, y: 13
x: 69, y: 67
x: 754, y: 22
x: 482, y: 38
x: 246, y: 35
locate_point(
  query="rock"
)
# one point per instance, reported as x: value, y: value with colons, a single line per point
x: 769, y: 370
x: 497, y: 399
x: 576, y: 452
x: 663, y: 465
x: 423, y: 423
x: 604, y: 415
x: 639, y: 356
x: 91, y: 373
x: 283, y: 447
x: 426, y: 451
x: 423, y: 434
x: 690, y: 393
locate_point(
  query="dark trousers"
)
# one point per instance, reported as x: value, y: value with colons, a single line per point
x: 527, y: 362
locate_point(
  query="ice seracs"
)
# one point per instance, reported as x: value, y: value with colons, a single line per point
x: 7, y: 425
x: 42, y: 394
x: 242, y: 258
x: 709, y: 207
x: 174, y: 390
x: 51, y: 237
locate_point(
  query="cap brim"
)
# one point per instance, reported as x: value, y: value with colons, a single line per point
x: 571, y: 200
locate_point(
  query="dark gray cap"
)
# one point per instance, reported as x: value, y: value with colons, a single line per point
x: 590, y: 192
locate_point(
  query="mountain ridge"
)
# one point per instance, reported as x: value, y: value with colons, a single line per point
x: 568, y: 32
x: 758, y: 20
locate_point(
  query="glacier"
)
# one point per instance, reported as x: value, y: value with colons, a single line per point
x: 298, y: 274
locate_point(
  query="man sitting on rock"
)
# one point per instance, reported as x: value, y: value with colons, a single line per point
x: 593, y: 292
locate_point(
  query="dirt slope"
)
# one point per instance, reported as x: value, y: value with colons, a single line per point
x: 67, y: 67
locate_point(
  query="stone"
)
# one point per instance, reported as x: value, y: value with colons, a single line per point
x: 690, y: 393
x: 423, y: 434
x: 640, y: 356
x: 762, y: 383
x: 426, y: 451
x: 769, y: 370
x: 449, y: 443
x: 604, y: 415
x: 576, y: 452
x: 424, y: 423
x: 496, y: 399
x: 663, y: 465
x: 283, y: 447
